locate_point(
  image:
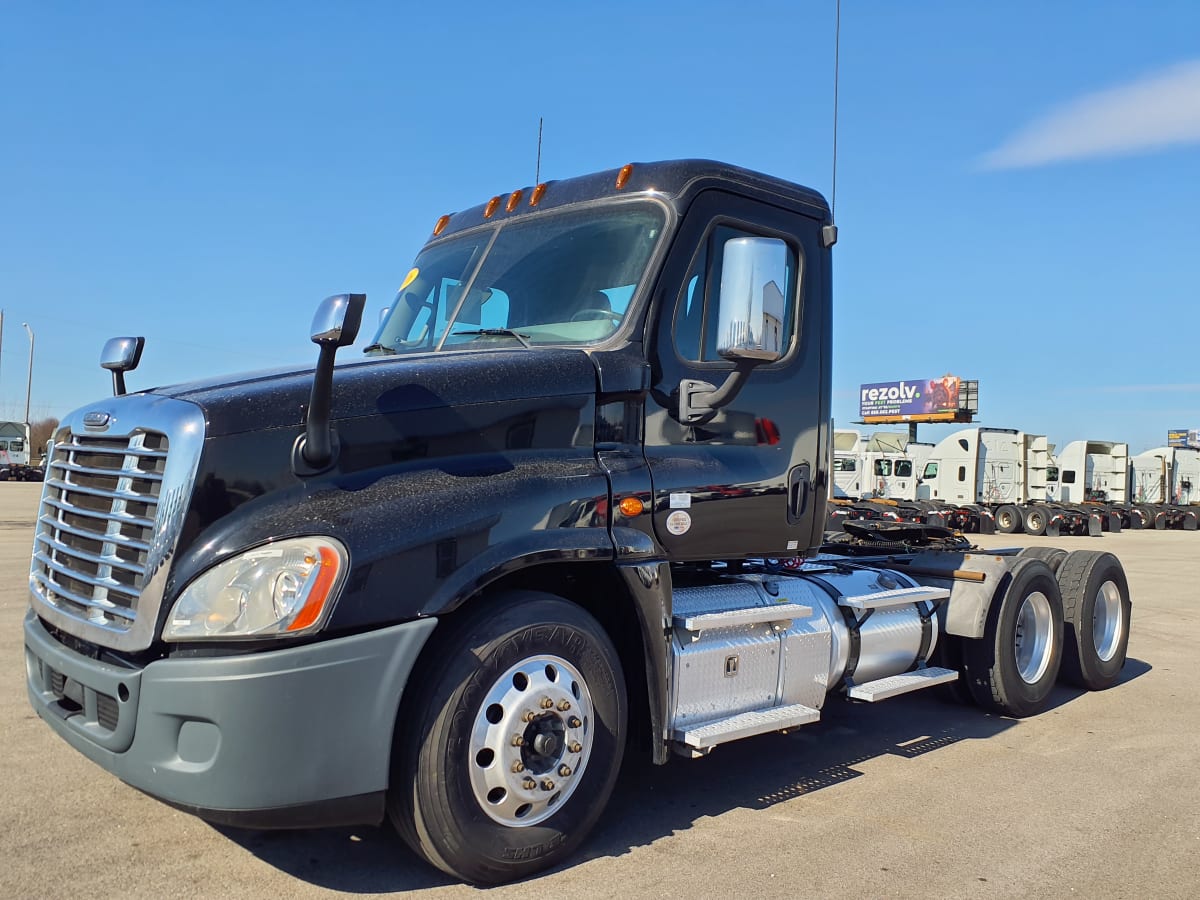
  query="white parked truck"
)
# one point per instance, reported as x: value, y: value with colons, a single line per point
x: 15, y: 459
x: 1164, y: 485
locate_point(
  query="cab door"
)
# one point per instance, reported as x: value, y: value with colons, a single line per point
x: 743, y: 481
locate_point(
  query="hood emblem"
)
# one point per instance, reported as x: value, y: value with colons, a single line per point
x: 96, y: 419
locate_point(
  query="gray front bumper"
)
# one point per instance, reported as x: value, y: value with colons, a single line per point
x: 256, y: 733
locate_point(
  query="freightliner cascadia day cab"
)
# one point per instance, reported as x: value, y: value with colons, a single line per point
x: 571, y: 500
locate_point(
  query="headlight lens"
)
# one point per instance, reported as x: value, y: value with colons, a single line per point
x: 284, y: 588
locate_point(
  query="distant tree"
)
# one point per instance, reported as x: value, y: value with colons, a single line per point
x: 40, y: 432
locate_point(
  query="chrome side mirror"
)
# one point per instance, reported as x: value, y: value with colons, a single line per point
x: 750, y: 323
x: 334, y: 325
x: 337, y: 319
x: 121, y: 355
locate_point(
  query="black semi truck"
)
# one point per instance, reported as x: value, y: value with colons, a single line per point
x: 570, y: 501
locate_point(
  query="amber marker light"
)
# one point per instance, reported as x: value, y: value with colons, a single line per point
x: 536, y: 197
x: 514, y: 200
x: 328, y: 570
x: 441, y: 225
x: 630, y: 507
x: 490, y: 209
x: 623, y: 175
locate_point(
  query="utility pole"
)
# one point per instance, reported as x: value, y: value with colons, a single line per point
x: 29, y: 380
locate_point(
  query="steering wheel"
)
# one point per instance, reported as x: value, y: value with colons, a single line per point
x: 592, y: 315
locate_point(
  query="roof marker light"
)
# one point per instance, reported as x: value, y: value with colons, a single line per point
x: 536, y: 197
x: 490, y: 210
x: 623, y: 175
x: 441, y: 225
x: 514, y: 200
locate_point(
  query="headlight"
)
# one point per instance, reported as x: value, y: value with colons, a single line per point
x: 284, y: 588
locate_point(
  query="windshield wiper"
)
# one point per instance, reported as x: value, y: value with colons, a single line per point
x: 497, y: 332
x: 370, y: 347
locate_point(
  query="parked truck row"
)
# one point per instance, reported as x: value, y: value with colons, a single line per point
x: 569, y: 504
x: 996, y: 479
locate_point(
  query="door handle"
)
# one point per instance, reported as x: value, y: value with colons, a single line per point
x: 798, y: 488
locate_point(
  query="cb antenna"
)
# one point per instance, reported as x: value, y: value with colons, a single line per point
x: 837, y: 41
x: 537, y: 172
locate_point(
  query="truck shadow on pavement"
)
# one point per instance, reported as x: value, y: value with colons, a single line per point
x: 652, y: 802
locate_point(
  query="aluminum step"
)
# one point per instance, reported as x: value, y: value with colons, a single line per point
x: 897, y: 597
x: 751, y: 615
x: 893, y: 686
x: 747, y: 724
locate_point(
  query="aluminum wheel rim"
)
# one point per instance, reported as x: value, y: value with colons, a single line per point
x: 1107, y: 624
x: 1031, y: 641
x: 531, y: 741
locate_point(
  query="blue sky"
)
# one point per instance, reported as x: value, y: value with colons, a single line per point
x: 1018, y: 191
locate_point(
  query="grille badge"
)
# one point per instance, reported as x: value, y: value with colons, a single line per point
x: 96, y: 419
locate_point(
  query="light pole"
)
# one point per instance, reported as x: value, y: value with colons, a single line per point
x: 29, y: 380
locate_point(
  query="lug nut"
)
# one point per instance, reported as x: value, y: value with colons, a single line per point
x: 529, y: 784
x: 564, y: 705
x: 547, y: 703
x: 528, y: 716
x: 564, y: 771
x: 518, y: 741
x: 547, y: 785
x: 574, y: 722
x: 518, y: 766
x: 574, y: 746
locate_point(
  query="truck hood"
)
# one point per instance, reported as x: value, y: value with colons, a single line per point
x: 389, y: 385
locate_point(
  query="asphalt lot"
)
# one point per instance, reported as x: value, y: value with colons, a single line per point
x: 1097, y: 797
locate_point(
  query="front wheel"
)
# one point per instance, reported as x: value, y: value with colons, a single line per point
x: 511, y: 745
x: 1012, y: 668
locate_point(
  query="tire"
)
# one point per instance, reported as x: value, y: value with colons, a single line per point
x: 1051, y: 556
x: 466, y: 796
x: 1036, y: 519
x: 1149, y: 516
x: 1096, y: 613
x: 1012, y: 668
x: 1008, y: 519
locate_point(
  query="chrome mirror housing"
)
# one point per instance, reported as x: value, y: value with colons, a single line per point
x: 337, y: 320
x: 750, y: 322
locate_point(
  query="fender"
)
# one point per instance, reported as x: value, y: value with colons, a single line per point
x: 966, y: 611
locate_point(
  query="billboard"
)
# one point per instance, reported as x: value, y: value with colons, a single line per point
x: 914, y: 400
x: 1184, y: 437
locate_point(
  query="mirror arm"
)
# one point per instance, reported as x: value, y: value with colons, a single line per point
x: 699, y: 401
x: 317, y: 448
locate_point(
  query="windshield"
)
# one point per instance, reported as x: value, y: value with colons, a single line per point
x: 562, y: 278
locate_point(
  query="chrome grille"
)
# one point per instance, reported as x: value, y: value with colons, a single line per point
x: 99, y: 504
x: 112, y: 509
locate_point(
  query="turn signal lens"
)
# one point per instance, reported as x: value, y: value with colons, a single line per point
x: 630, y: 507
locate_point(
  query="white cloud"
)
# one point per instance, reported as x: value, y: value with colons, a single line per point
x: 1156, y: 111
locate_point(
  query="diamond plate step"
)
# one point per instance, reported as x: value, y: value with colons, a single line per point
x: 893, y: 686
x: 747, y: 724
x: 897, y: 597
x: 751, y: 615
